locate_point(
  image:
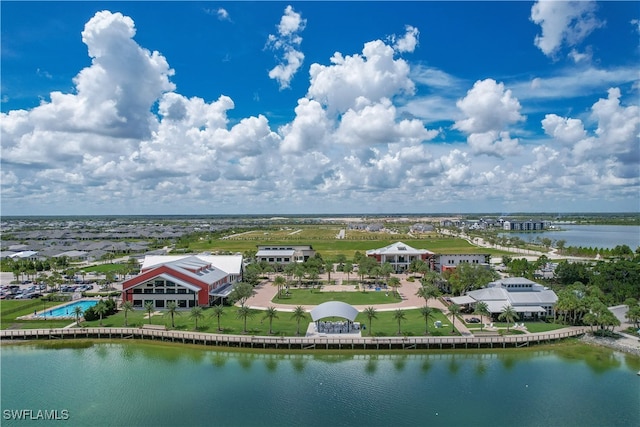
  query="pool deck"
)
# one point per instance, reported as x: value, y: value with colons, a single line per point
x: 43, y: 314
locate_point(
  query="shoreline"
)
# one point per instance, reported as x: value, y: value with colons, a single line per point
x: 623, y: 345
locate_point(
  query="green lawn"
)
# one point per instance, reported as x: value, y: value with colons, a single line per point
x: 315, y: 297
x: 532, y: 326
x: 384, y: 325
x: 11, y: 309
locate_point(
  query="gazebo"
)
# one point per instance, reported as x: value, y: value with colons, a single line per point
x: 334, y: 309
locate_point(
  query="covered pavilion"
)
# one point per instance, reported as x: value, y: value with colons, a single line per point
x: 334, y: 309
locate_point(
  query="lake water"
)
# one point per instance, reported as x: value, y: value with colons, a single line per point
x: 149, y: 384
x: 595, y: 236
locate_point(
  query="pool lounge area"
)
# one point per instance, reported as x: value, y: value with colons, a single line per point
x: 65, y: 311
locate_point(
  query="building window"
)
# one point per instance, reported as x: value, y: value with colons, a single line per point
x: 137, y: 303
x: 159, y: 303
x: 192, y: 303
x: 159, y: 291
x: 137, y: 291
x: 182, y: 303
x: 148, y: 291
x: 170, y: 291
x: 182, y: 291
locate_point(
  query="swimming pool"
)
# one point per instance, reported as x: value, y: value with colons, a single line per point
x: 67, y: 310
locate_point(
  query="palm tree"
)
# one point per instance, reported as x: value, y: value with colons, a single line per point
x: 271, y: 313
x: 127, y: 306
x: 427, y: 292
x: 482, y: 309
x: 100, y: 309
x: 386, y: 270
x: 195, y: 314
x: 78, y: 312
x: 299, y: 272
x: 394, y: 282
x: 218, y: 310
x: 454, y: 309
x: 347, y: 268
x: 508, y: 315
x: 172, y: 310
x: 328, y: 267
x: 242, y: 313
x: 426, y: 312
x: 279, y: 281
x: 149, y: 307
x: 298, y: 314
x: 399, y: 316
x: 370, y: 312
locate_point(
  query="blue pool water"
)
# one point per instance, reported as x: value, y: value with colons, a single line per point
x: 67, y: 310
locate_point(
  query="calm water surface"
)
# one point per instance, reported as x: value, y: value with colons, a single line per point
x: 140, y: 384
x: 594, y: 236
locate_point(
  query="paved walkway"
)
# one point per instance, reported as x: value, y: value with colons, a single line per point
x: 266, y: 291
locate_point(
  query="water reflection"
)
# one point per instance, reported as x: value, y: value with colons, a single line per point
x: 219, y: 359
x: 298, y: 364
x: 320, y: 388
x: 400, y: 362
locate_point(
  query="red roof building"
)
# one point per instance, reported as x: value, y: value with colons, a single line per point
x: 187, y: 280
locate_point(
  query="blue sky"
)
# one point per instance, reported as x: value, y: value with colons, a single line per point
x: 319, y: 107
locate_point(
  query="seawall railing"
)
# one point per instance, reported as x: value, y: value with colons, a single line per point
x: 293, y: 343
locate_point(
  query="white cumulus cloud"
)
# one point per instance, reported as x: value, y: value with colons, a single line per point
x: 563, y: 23
x: 288, y: 42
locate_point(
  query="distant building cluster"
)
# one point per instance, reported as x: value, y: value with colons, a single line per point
x: 89, y: 240
x: 508, y: 224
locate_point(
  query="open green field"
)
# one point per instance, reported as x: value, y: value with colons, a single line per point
x: 324, y: 240
x: 315, y: 297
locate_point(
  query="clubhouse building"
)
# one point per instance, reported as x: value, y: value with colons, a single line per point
x: 528, y: 298
x: 400, y: 256
x: 187, y: 280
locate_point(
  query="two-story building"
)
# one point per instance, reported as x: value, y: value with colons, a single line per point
x: 187, y: 280
x: 400, y: 255
x: 444, y: 262
x: 284, y: 254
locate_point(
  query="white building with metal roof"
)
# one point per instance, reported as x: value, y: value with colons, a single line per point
x: 399, y: 255
x: 528, y: 298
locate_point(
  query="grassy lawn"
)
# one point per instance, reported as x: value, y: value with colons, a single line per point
x: 532, y: 327
x: 384, y: 325
x: 315, y: 297
x: 413, y: 325
x: 11, y: 309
